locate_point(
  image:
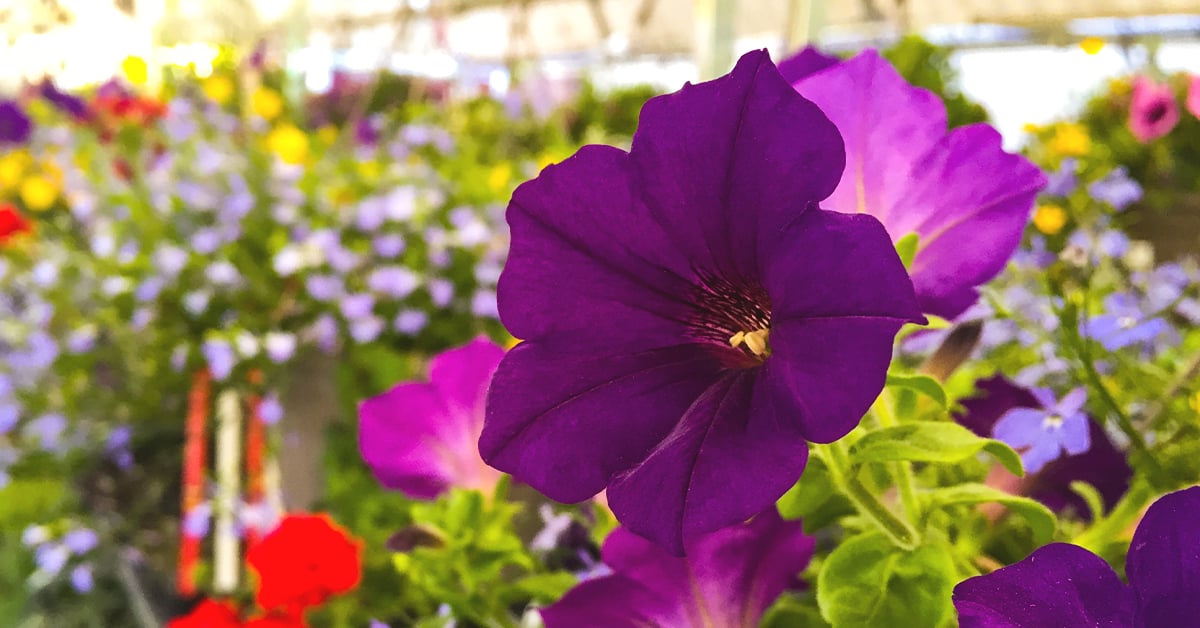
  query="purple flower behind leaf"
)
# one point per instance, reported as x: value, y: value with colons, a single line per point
x: 419, y: 437
x: 1046, y: 433
x: 1153, y: 111
x: 728, y: 579
x: 966, y: 199
x: 1103, y: 465
x: 15, y: 126
x: 1065, y: 585
x: 690, y: 317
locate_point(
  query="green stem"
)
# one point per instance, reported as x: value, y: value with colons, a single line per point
x: 902, y: 471
x: 1121, y: 517
x: 899, y: 531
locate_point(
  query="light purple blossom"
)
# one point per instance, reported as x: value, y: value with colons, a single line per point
x: 280, y: 346
x: 48, y: 428
x: 401, y: 203
x: 1044, y: 434
x: 1116, y: 189
x: 393, y: 281
x: 81, y: 339
x: 341, y: 259
x: 1123, y: 324
x: 196, y: 521
x: 441, y: 292
x: 51, y: 557
x: 81, y: 541
x: 206, y: 241
x: 170, y: 260
x: 270, y: 410
x: 483, y: 304
x: 371, y: 214
x: 388, y: 245
x: 410, y: 322
x: 82, y: 579
x: 149, y: 289
x: 324, y: 288
x: 357, y: 306
x: 219, y: 355
x: 324, y: 331
x: 44, y: 274
x: 222, y: 273
x: 10, y: 415
x: 1063, y: 181
x: 364, y: 330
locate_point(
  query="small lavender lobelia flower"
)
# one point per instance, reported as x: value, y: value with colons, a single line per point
x: 367, y: 329
x: 1116, y: 189
x: 280, y: 346
x: 1044, y: 434
x: 419, y: 437
x: 82, y: 579
x: 1153, y: 111
x: 51, y: 557
x: 441, y: 292
x: 1123, y: 324
x: 48, y: 428
x: 388, y: 246
x: 220, y: 357
x: 729, y: 579
x: 81, y: 541
x: 82, y: 339
x: 356, y: 306
x: 396, y: 282
x: 410, y: 322
x: 270, y: 410
x: 324, y: 288
x: 10, y: 415
x: 966, y: 199
x: 1063, y: 181
x: 484, y: 305
x: 1065, y: 585
x: 691, y: 318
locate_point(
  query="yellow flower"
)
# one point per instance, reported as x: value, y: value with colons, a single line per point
x: 267, y: 103
x: 12, y: 168
x: 1030, y: 128
x: 499, y: 177
x: 218, y: 88
x: 1091, y: 45
x: 368, y: 170
x: 289, y: 143
x: 1070, y: 140
x: 38, y: 193
x: 135, y: 71
x: 545, y: 159
x: 1049, y: 219
x: 328, y: 134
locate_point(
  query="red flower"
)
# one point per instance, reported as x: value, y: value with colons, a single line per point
x: 276, y: 621
x: 209, y: 614
x: 303, y: 562
x: 12, y: 223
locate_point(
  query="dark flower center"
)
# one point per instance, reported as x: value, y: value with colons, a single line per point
x: 1157, y: 112
x: 735, y: 317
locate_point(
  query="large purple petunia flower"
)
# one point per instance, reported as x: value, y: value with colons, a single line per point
x: 1065, y: 585
x: 15, y: 126
x: 966, y: 199
x: 419, y: 437
x: 690, y: 317
x: 1153, y: 111
x: 729, y: 579
x: 1103, y: 465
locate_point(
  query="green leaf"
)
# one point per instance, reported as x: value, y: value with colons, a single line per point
x: 868, y: 581
x: 907, y: 248
x: 789, y: 612
x: 546, y: 588
x: 1091, y: 497
x: 930, y: 441
x: 1041, y: 520
x: 923, y: 384
x: 814, y: 489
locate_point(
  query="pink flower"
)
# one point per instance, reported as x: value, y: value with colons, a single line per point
x: 1153, y: 111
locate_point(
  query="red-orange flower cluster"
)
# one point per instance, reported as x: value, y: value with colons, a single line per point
x: 12, y: 223
x: 127, y: 109
x: 300, y: 565
x: 303, y: 562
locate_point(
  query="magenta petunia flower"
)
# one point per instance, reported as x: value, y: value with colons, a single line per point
x: 690, y: 317
x: 1153, y: 111
x: 1193, y: 96
x: 419, y: 437
x: 1065, y: 585
x: 729, y: 579
x: 807, y: 61
x: 966, y: 199
x: 1102, y: 465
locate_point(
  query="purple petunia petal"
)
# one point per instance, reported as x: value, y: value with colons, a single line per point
x: 1164, y: 561
x: 808, y: 61
x: 965, y: 197
x: 1057, y: 585
x: 729, y: 579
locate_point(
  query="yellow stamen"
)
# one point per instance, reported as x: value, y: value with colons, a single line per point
x: 756, y: 341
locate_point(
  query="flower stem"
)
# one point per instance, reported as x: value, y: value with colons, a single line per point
x: 902, y: 471
x: 1120, y: 518
x: 867, y: 503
